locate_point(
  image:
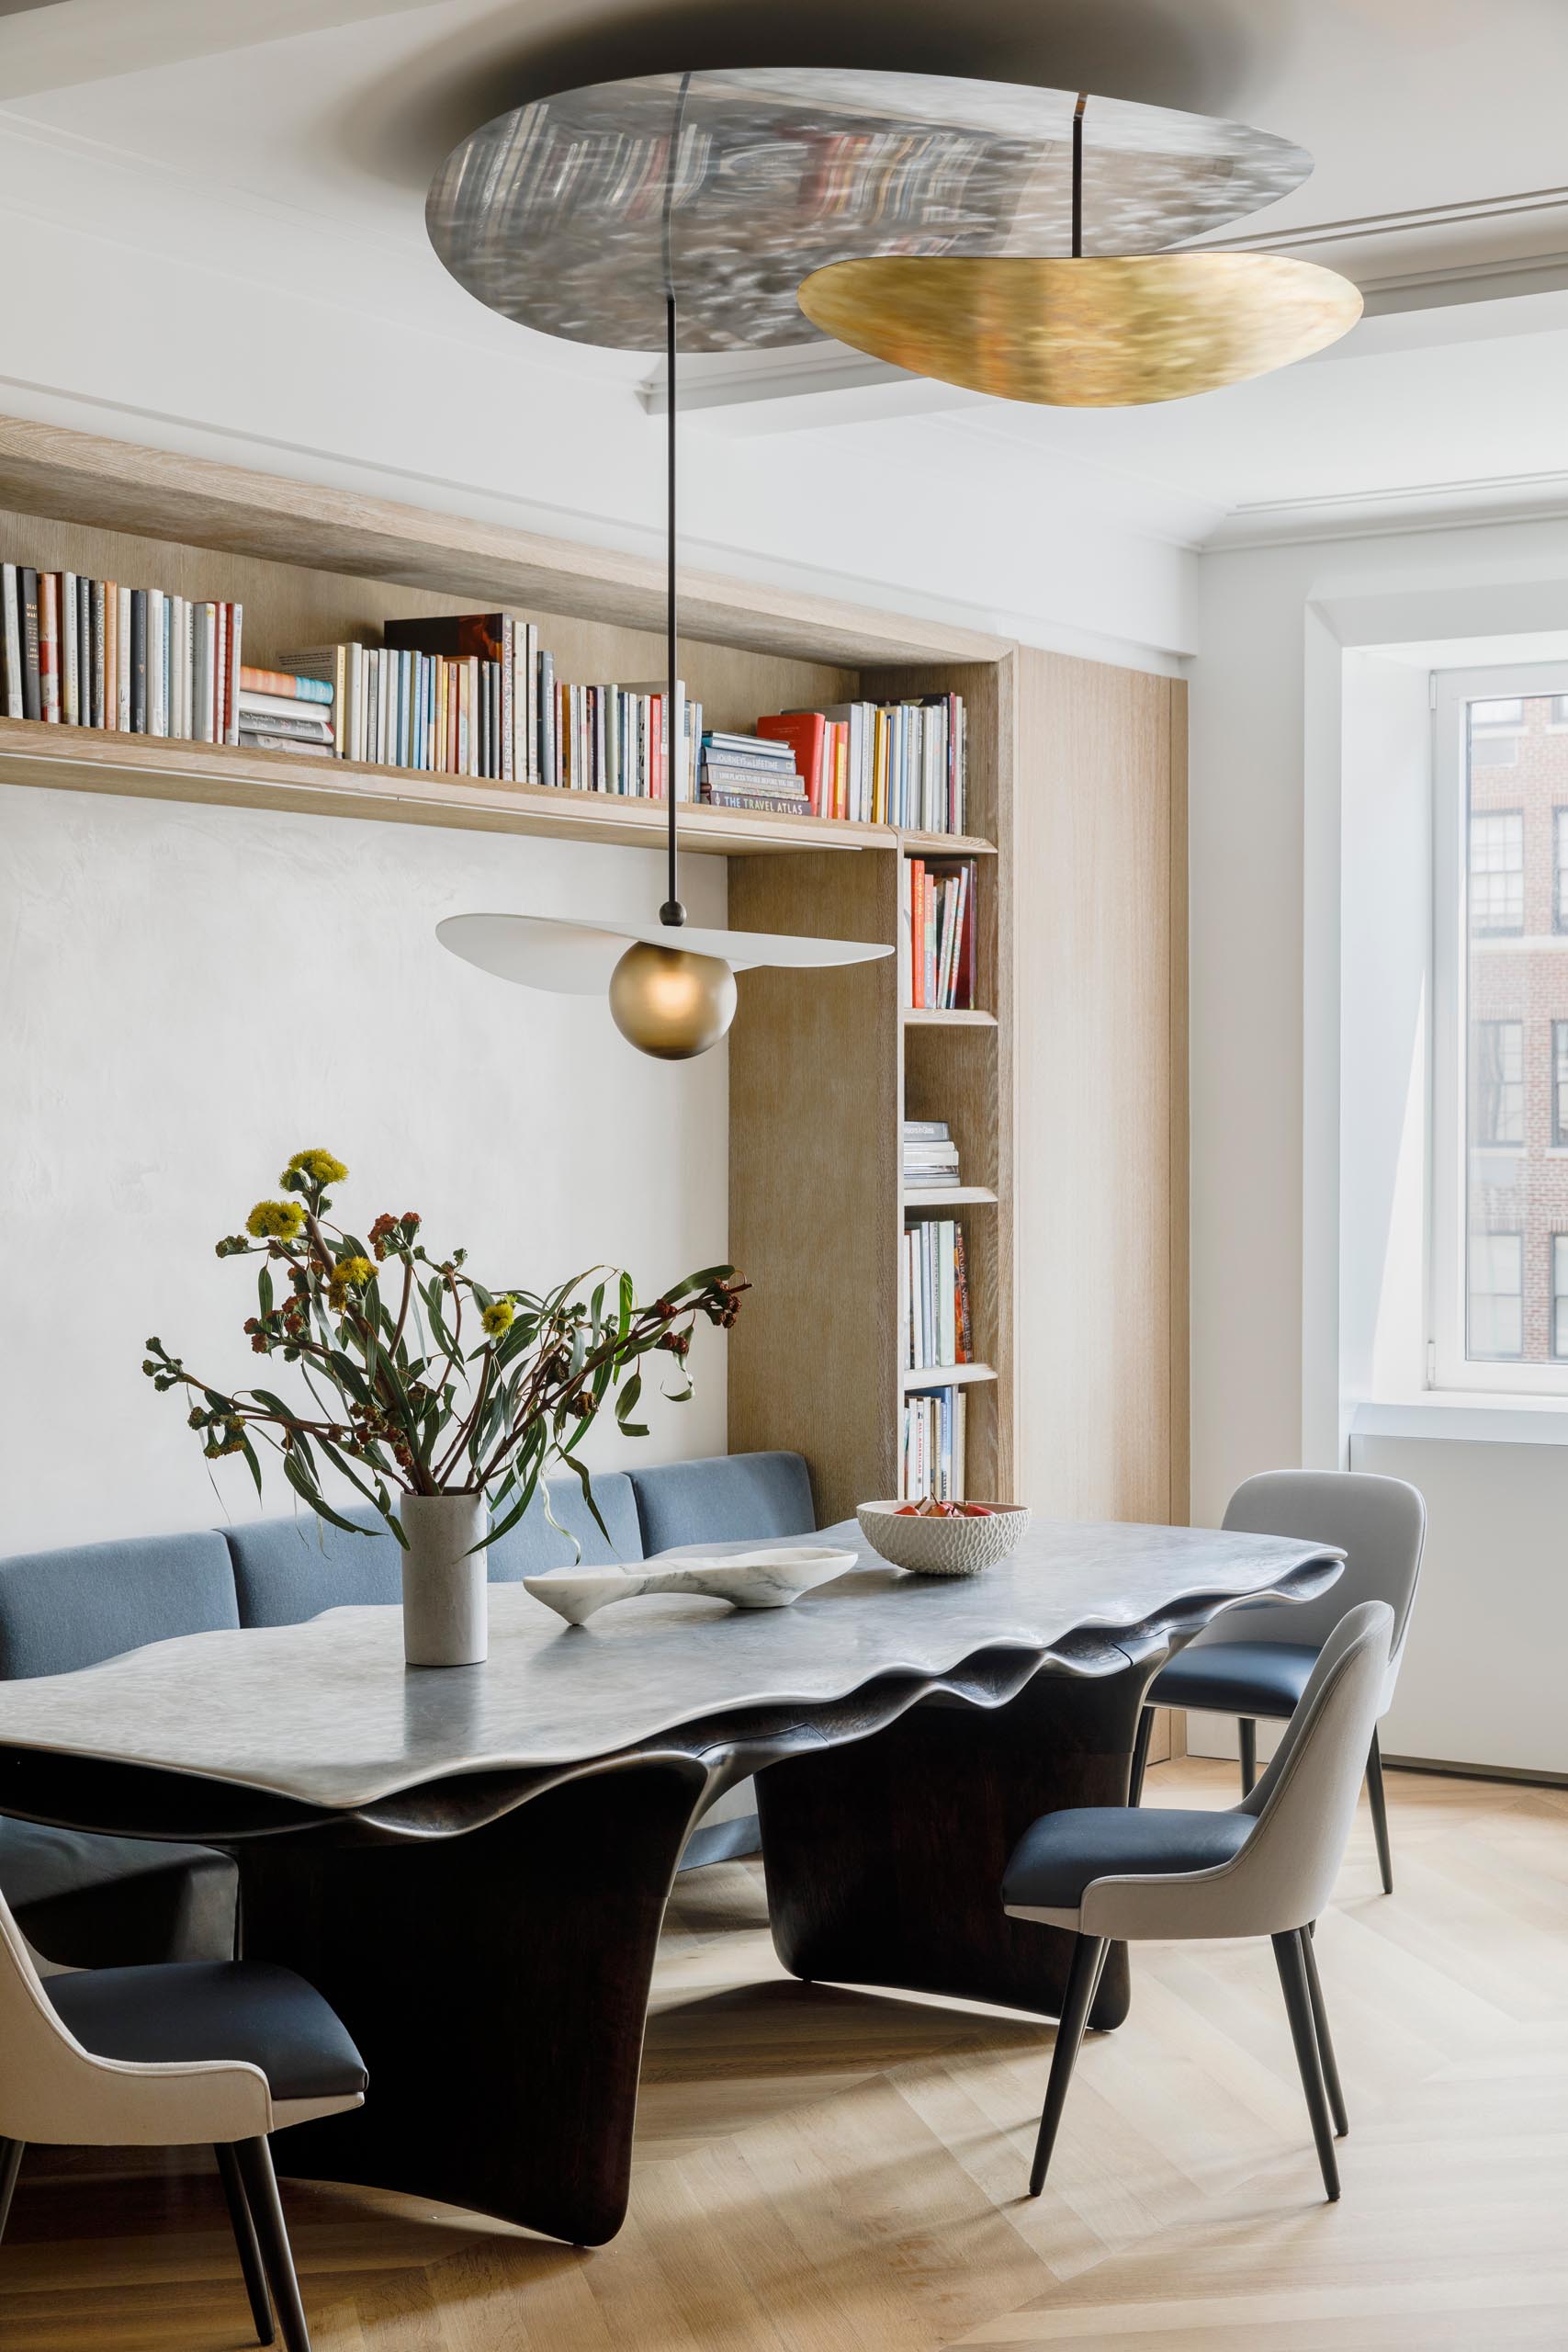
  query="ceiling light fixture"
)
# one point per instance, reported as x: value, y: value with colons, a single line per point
x: 1107, y: 330
x: 672, y: 989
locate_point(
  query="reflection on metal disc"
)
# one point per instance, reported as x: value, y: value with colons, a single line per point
x: 1091, y: 333
x: 553, y: 215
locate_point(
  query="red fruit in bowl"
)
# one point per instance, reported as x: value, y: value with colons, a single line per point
x: 979, y: 1511
x: 907, y: 1510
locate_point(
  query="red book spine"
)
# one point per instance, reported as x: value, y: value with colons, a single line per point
x: 916, y: 932
x: 49, y: 644
x: 806, y: 732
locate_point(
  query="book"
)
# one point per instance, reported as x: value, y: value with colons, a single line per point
x: 139, y: 660
x: 778, y: 804
x: 32, y: 653
x: 304, y: 730
x: 785, y: 781
x: 272, y: 705
x: 11, y: 624
x: 292, y: 685
x: 804, y: 733
x: 49, y: 643
x: 261, y: 739
x: 758, y: 747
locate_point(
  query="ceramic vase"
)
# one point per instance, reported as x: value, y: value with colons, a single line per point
x: 444, y: 1579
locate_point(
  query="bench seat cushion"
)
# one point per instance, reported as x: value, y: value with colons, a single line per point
x: 62, y: 1609
x: 240, y: 2009
x: 92, y: 1902
x: 732, y: 1498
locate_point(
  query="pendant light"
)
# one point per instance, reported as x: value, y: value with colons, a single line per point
x: 1104, y: 332
x: 672, y: 988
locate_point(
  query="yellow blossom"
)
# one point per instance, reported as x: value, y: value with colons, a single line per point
x: 497, y: 1316
x: 356, y: 1271
x: 275, y: 1221
x: 319, y: 1166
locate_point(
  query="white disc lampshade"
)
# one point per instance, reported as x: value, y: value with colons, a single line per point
x: 569, y: 958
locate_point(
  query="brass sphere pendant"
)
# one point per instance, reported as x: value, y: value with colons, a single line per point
x: 671, y: 1003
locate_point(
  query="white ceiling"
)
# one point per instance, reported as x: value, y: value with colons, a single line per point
x: 298, y: 136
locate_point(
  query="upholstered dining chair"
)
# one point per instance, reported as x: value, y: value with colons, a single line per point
x: 1114, y: 1873
x: 174, y: 2055
x: 1256, y: 1662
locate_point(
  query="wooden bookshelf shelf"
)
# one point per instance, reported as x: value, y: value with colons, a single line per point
x: 945, y: 845
x: 925, y: 1017
x: 938, y: 1197
x: 948, y: 1376
x: 86, y: 759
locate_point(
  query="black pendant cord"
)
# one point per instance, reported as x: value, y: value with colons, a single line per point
x: 671, y: 912
x: 1077, y: 174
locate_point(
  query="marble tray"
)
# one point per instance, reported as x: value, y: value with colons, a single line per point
x: 769, y: 1577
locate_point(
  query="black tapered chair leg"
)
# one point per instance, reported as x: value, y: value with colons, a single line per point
x: 1140, y: 1756
x: 1379, y: 1813
x: 1083, y: 1976
x: 1325, y: 2057
x: 1304, y: 2033
x: 245, y: 2241
x: 254, y: 2160
x: 10, y: 2166
x: 1249, y: 1731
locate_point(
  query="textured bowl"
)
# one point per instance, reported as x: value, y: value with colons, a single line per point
x: 943, y: 1547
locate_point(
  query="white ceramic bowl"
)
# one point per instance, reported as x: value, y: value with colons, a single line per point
x: 943, y: 1547
x: 765, y: 1576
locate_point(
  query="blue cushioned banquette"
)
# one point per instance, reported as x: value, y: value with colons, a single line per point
x: 90, y: 1900
x: 725, y: 1500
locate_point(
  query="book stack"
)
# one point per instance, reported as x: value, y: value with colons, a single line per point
x: 930, y: 1156
x: 279, y: 711
x: 881, y: 764
x: 935, y: 1431
x: 753, y: 772
x: 81, y: 652
x: 938, y: 925
x: 935, y: 1295
x: 446, y: 695
x: 612, y: 737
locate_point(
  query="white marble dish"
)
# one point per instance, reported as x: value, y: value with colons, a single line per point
x: 943, y: 1547
x: 771, y: 1577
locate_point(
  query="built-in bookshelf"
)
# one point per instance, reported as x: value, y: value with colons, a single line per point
x: 822, y: 1074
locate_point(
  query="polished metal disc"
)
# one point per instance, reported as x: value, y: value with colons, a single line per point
x: 1112, y: 333
x: 554, y: 215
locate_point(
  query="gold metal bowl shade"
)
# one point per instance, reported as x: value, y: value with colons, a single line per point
x: 669, y: 1003
x: 1094, y: 333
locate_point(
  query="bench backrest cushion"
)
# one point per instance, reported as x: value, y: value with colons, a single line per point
x: 534, y: 1547
x: 288, y: 1570
x: 62, y: 1609
x: 729, y: 1499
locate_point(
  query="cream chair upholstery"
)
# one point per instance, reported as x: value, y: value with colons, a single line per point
x: 124, y: 2057
x: 1116, y: 1873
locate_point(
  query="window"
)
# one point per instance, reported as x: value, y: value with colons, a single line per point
x: 1497, y: 1268
x: 1497, y: 1111
x: 1496, y: 1295
x: 1497, y: 870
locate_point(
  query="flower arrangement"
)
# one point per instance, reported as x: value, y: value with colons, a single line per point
x: 419, y: 1378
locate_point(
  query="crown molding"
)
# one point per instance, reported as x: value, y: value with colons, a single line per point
x: 1477, y: 502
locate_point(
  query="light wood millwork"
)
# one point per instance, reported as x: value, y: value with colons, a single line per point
x: 1070, y: 1066
x: 818, y: 2170
x: 1099, y: 867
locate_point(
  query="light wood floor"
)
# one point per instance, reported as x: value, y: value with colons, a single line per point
x: 824, y: 2171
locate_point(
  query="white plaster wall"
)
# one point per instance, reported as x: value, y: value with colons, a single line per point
x: 188, y: 996
x: 1274, y: 1121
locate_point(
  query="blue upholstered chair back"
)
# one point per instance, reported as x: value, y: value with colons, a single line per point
x: 729, y: 1499
x: 62, y: 1609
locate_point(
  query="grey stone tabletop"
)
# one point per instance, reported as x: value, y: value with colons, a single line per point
x: 326, y: 1711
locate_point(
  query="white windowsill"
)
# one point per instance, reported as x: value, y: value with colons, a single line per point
x: 1466, y: 1416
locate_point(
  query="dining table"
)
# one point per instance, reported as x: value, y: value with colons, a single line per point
x: 472, y: 1863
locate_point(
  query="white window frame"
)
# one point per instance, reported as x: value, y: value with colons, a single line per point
x: 1447, y: 1297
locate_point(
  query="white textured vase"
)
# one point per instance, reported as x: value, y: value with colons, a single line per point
x: 444, y: 1579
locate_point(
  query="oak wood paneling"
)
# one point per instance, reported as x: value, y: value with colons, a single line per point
x: 1099, y: 882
